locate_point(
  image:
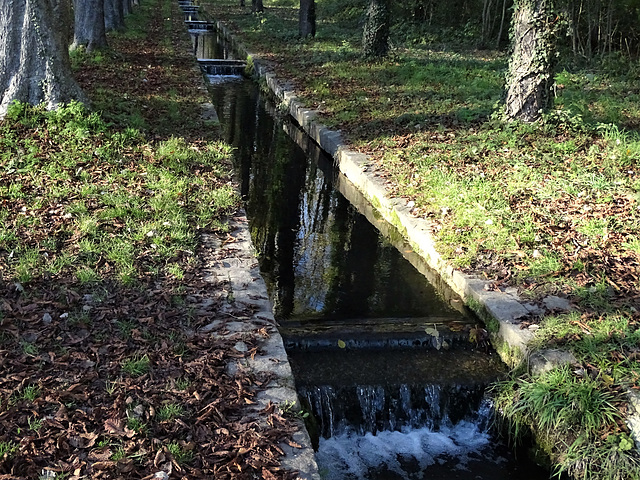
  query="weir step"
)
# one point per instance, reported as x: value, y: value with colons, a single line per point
x: 341, y: 367
x: 427, y: 332
x: 200, y: 25
x: 222, y: 66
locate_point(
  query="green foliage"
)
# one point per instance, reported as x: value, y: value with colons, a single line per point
x: 8, y: 449
x: 169, y: 411
x: 181, y: 454
x: 29, y: 393
x: 148, y: 209
x: 136, y: 366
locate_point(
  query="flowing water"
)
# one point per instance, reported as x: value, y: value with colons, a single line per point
x: 381, y: 356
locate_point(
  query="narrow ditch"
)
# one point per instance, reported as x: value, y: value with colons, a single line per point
x: 382, y: 358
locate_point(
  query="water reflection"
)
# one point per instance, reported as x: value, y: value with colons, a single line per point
x: 320, y: 256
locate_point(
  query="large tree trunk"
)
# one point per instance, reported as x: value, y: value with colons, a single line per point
x: 307, y: 25
x: 90, y: 30
x: 34, y: 56
x: 113, y: 15
x: 375, y: 37
x: 530, y: 69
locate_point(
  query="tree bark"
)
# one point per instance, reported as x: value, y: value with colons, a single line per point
x: 127, y: 7
x: 256, y: 6
x: 375, y: 37
x: 307, y: 24
x: 113, y: 15
x: 90, y: 28
x: 34, y: 56
x: 530, y: 68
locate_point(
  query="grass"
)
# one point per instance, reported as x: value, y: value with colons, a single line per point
x: 29, y: 393
x: 102, y: 215
x: 8, y: 449
x: 180, y: 453
x: 170, y: 411
x: 153, y: 219
x: 137, y: 365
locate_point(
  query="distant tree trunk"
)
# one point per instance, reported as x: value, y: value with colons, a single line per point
x: 504, y: 12
x: 530, y: 68
x: 89, y: 25
x: 113, y: 15
x: 256, y: 6
x: 34, y: 55
x: 375, y: 37
x: 242, y: 3
x: 307, y: 25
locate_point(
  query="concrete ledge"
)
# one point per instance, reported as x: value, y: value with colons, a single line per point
x: 247, y: 292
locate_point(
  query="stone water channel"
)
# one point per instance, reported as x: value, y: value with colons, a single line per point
x: 381, y: 356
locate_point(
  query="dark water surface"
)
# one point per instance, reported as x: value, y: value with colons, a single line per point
x: 381, y: 356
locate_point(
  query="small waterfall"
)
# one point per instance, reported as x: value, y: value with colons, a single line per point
x: 374, y: 408
x: 222, y: 66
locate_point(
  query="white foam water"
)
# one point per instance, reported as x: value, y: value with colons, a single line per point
x: 404, y: 455
x: 220, y: 79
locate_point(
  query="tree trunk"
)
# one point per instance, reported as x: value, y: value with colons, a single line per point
x: 89, y: 25
x: 256, y: 6
x: 34, y: 56
x: 530, y: 68
x: 307, y: 25
x: 113, y: 15
x: 127, y: 7
x: 375, y: 37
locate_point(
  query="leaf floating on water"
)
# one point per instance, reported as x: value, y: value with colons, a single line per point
x: 341, y: 344
x: 432, y: 331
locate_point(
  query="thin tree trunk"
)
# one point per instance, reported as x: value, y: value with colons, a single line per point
x: 34, y: 55
x: 89, y: 25
x: 256, y: 6
x: 307, y: 22
x: 504, y: 13
x: 530, y: 68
